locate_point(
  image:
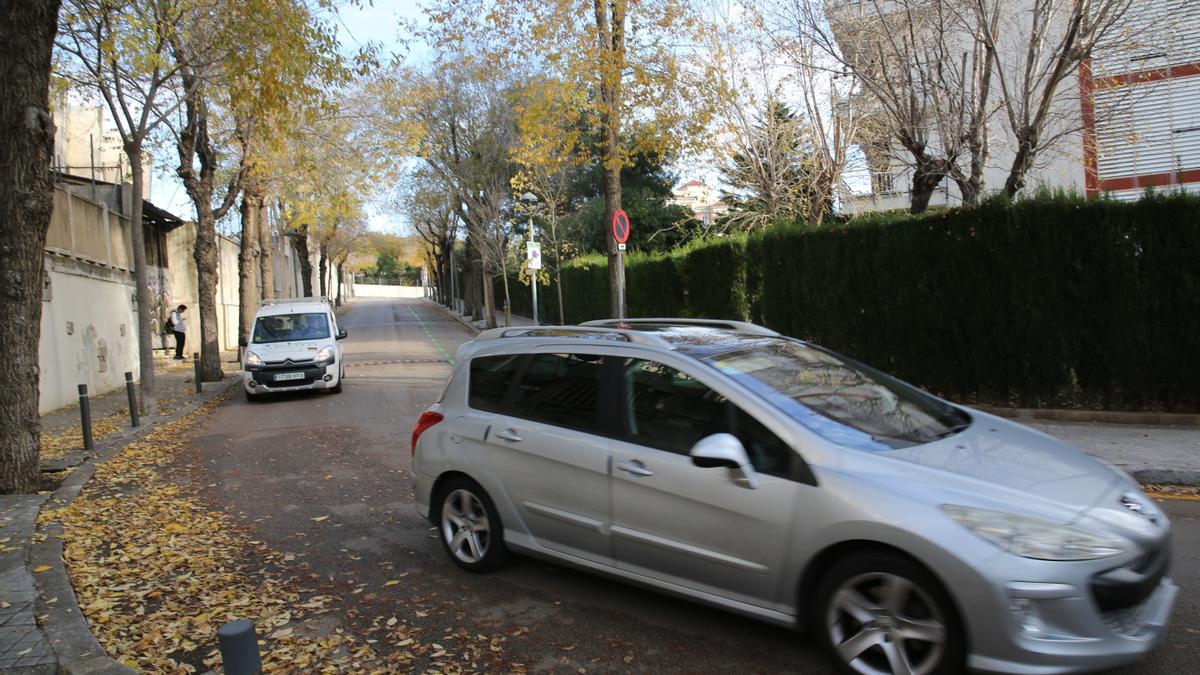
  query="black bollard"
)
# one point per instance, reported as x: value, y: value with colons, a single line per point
x: 85, y: 417
x: 196, y: 367
x: 129, y: 392
x: 239, y: 648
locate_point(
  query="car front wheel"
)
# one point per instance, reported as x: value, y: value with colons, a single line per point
x: 470, y: 527
x: 881, y: 613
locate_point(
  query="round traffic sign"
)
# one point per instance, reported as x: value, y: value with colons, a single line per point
x: 620, y: 226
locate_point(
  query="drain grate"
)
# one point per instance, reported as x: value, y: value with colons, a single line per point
x: 393, y: 362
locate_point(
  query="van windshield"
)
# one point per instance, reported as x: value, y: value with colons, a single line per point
x: 844, y: 401
x: 291, y: 327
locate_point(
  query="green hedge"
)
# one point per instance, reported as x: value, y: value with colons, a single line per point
x: 1050, y: 301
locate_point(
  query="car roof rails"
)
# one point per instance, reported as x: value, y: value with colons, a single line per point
x: 576, y: 332
x: 743, y: 327
x: 284, y: 301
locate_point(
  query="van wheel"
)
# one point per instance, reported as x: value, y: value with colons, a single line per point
x: 878, y: 612
x: 470, y: 528
x: 251, y: 398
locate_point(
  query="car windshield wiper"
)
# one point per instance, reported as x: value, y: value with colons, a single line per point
x: 954, y: 429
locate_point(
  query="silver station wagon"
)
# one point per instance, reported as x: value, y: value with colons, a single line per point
x: 725, y: 463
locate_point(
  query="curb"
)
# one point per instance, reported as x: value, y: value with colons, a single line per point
x: 453, y: 315
x: 1101, y: 416
x: 66, y: 627
x: 1187, y: 477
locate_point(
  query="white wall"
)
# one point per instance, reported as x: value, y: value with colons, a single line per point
x: 89, y: 331
x: 373, y: 291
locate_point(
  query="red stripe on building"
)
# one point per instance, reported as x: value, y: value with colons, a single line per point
x: 1087, y: 104
x: 1144, y: 76
x: 1150, y: 180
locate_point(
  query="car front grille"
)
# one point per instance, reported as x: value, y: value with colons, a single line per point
x: 1124, y: 589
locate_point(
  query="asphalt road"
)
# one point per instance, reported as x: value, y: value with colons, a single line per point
x: 280, y: 463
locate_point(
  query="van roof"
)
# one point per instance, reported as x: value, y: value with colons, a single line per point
x: 305, y: 305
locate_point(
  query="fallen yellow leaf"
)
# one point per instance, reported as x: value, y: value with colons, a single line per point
x: 41, y: 568
x: 319, y: 519
x: 393, y: 582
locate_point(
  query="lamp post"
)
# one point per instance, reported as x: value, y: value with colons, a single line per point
x: 531, y: 199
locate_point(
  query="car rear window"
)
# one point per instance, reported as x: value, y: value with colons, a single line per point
x: 491, y: 377
x: 558, y: 389
x: 842, y: 400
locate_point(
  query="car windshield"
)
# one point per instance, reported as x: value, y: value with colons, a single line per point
x: 842, y: 400
x: 290, y: 327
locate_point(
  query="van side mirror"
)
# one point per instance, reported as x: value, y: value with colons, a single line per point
x: 242, y: 341
x: 724, y: 450
x: 342, y: 334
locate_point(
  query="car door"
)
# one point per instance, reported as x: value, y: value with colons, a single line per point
x: 701, y: 528
x: 544, y: 447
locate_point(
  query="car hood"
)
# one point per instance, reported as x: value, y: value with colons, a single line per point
x: 1008, y: 455
x: 300, y: 350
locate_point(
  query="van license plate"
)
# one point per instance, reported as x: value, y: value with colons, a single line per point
x: 288, y: 376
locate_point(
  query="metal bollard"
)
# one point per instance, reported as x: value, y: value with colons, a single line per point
x: 133, y: 404
x: 85, y: 417
x: 196, y: 367
x: 239, y: 648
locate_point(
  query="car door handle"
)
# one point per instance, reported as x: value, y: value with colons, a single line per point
x: 509, y: 435
x: 635, y: 468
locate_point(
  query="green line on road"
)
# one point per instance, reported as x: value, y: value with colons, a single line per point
x: 430, y: 335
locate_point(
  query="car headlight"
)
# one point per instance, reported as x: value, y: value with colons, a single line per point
x: 1033, y: 537
x: 253, y: 359
x: 325, y: 355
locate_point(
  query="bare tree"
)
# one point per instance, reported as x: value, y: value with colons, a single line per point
x: 925, y: 82
x: 26, y: 190
x: 1037, y: 45
x: 121, y: 50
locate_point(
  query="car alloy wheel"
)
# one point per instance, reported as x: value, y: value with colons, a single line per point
x: 881, y: 623
x: 465, y: 526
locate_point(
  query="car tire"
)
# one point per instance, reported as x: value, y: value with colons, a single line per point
x: 874, y: 609
x: 338, y: 388
x: 469, y: 526
x: 251, y: 398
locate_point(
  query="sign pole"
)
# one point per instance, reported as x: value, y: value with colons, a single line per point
x: 620, y: 232
x: 620, y: 281
x: 533, y: 272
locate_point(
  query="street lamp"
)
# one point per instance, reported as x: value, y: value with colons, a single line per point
x: 531, y: 199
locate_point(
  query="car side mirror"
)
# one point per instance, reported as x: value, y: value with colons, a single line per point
x: 342, y: 334
x: 724, y: 450
x: 242, y: 341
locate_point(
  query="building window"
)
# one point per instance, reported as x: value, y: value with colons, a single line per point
x: 882, y: 181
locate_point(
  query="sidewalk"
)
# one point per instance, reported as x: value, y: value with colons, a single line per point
x: 41, y: 627
x: 62, y: 436
x: 478, y: 326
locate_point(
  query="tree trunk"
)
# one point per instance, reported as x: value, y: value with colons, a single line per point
x: 248, y: 265
x: 305, y: 261
x: 149, y: 399
x: 323, y: 268
x: 266, y: 245
x: 489, y: 299
x: 26, y: 201
x: 207, y: 265
x: 612, y: 63
x: 338, y: 294
x: 194, y: 142
x: 557, y: 272
x: 1027, y: 142
x: 927, y: 175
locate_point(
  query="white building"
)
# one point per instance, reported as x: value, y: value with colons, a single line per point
x: 1129, y: 119
x: 701, y: 199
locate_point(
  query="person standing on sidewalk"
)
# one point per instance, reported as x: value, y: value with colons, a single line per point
x: 179, y: 328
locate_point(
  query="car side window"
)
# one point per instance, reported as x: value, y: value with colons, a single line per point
x: 491, y: 377
x: 670, y: 410
x: 560, y: 389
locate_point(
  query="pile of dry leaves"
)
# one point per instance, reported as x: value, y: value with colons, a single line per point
x: 157, y: 573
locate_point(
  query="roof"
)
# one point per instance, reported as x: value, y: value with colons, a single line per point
x: 152, y: 214
x: 293, y: 305
x: 698, y: 338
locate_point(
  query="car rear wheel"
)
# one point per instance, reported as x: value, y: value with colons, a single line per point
x: 880, y: 613
x: 470, y: 527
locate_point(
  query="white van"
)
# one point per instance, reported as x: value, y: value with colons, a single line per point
x: 295, y: 345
